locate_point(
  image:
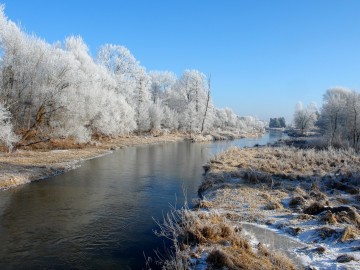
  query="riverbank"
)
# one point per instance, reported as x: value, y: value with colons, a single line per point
x: 52, y: 157
x: 223, y: 136
x: 311, y: 197
x: 44, y: 160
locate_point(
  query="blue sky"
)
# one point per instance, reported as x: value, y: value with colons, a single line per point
x: 263, y: 56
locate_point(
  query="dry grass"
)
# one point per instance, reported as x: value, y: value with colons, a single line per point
x: 273, y: 206
x: 242, y: 184
x: 314, y: 209
x: 350, y: 233
x: 211, y: 233
x: 297, y: 201
x: 328, y: 218
x: 286, y: 161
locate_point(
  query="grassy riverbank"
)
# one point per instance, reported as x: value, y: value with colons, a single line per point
x: 308, y: 195
x: 58, y: 156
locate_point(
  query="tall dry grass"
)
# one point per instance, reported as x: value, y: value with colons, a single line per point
x: 207, y: 237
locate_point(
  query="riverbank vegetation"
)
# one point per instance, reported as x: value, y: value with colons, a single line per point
x: 51, y: 91
x: 309, y: 195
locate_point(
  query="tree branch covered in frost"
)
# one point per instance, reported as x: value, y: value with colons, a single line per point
x: 7, y: 136
x: 304, y: 118
x: 338, y: 119
x: 61, y: 90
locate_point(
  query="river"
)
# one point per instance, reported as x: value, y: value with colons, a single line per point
x: 100, y: 216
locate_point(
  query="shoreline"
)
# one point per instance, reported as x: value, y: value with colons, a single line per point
x: 25, y: 166
x: 308, y: 196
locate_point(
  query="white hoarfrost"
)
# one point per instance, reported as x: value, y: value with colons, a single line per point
x: 61, y: 90
x: 7, y: 135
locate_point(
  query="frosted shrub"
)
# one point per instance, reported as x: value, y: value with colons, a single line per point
x: 7, y: 135
x: 170, y: 119
x: 156, y: 115
x: 115, y: 117
x: 80, y: 133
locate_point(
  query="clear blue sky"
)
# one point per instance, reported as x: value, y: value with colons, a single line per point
x: 263, y: 56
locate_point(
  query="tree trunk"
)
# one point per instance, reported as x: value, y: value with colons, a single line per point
x: 207, y: 104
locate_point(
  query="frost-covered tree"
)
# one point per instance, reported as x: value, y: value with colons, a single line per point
x: 171, y: 119
x: 142, y: 102
x: 352, y: 123
x: 131, y: 79
x: 161, y: 81
x: 7, y: 135
x: 189, y: 98
x: 61, y: 90
x: 156, y: 113
x: 34, y: 75
x: 104, y: 109
x: 305, y: 117
x: 333, y: 113
x: 119, y: 61
x: 340, y: 117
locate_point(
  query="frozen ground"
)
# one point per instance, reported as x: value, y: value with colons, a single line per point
x: 303, y: 203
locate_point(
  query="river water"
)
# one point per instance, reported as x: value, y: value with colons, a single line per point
x: 100, y: 216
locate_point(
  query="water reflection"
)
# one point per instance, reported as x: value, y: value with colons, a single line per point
x: 100, y: 215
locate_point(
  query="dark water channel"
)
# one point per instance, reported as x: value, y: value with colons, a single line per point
x: 100, y: 216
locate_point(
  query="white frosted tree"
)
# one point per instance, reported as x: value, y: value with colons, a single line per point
x: 104, y: 109
x: 352, y: 124
x: 171, y: 119
x: 131, y: 79
x: 188, y: 97
x: 34, y: 75
x: 340, y: 117
x: 305, y: 117
x: 156, y: 113
x: 7, y: 135
x: 161, y: 81
x: 250, y: 124
x: 61, y: 90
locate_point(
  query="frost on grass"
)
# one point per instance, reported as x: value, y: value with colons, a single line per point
x: 310, y: 195
x: 207, y: 239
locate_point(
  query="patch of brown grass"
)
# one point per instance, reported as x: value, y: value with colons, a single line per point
x: 273, y: 206
x: 266, y: 196
x: 297, y: 201
x: 286, y: 161
x: 347, y: 215
x: 221, y: 239
x: 328, y: 218
x: 350, y: 233
x: 218, y: 258
x: 327, y: 233
x: 314, y: 208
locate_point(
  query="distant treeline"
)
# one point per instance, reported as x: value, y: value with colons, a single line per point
x: 277, y: 122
